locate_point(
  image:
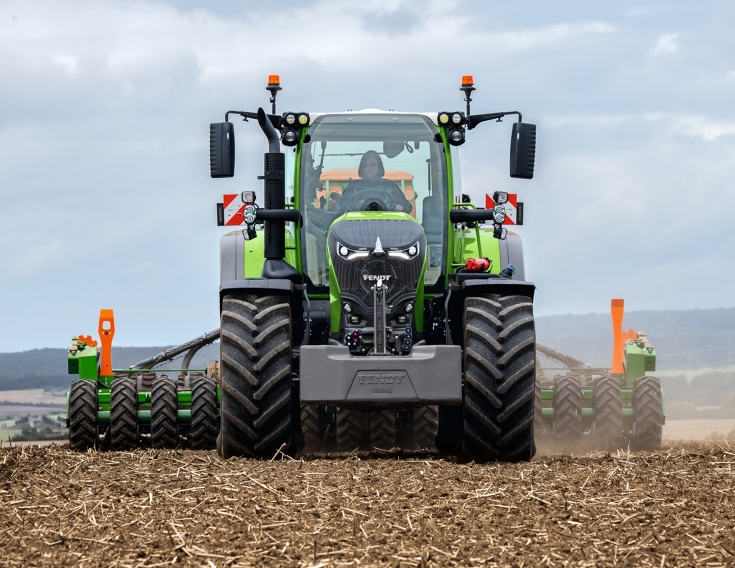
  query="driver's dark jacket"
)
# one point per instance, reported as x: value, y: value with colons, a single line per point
x: 396, y: 194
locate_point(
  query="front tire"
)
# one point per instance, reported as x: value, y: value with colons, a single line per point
x: 255, y: 347
x: 499, y: 378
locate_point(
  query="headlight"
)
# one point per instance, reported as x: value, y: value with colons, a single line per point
x: 249, y: 214
x: 344, y: 251
x: 347, y: 308
x: 406, y: 254
x: 457, y: 118
x: 290, y: 138
x: 443, y: 118
x: 456, y: 136
x: 499, y: 214
x: 290, y: 119
x: 303, y: 119
x: 500, y: 197
x: 248, y: 196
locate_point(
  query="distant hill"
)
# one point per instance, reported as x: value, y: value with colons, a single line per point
x: 47, y: 368
x: 692, y: 339
x: 687, y: 339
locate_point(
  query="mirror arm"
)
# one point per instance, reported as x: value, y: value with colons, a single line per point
x: 476, y: 119
x: 275, y: 119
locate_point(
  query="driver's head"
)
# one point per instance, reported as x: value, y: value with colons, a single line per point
x: 371, y: 166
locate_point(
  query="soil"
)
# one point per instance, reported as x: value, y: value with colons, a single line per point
x: 675, y: 507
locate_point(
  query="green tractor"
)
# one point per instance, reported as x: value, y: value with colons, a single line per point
x: 368, y: 313
x: 604, y: 409
x: 364, y: 303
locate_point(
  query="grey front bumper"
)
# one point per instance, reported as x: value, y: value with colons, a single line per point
x: 431, y: 374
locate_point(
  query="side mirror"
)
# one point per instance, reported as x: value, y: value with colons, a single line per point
x: 221, y: 149
x: 522, y: 150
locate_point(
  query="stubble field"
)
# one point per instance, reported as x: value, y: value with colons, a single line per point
x: 155, y: 508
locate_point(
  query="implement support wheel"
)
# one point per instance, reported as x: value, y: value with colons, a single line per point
x: 499, y: 378
x: 83, y: 415
x: 123, y: 414
x: 164, y: 421
x: 649, y: 414
x: 255, y: 348
x: 608, y: 414
x: 204, y: 420
x: 567, y: 410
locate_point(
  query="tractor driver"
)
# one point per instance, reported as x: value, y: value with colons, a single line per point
x: 371, y: 174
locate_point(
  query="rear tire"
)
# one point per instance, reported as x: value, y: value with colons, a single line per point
x: 499, y: 378
x: 204, y: 419
x: 567, y: 410
x: 123, y: 415
x: 83, y: 415
x: 255, y: 347
x: 649, y: 414
x: 311, y: 428
x: 425, y: 422
x: 164, y: 420
x: 608, y: 414
x: 383, y: 429
x: 349, y: 430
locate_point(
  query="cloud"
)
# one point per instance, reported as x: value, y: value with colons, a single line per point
x: 106, y: 106
x: 665, y: 45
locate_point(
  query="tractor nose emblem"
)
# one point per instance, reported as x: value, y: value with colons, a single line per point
x: 378, y: 251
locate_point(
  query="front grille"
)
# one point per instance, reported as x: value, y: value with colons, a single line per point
x: 403, y: 276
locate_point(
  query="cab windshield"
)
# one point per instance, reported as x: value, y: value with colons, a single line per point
x: 372, y: 162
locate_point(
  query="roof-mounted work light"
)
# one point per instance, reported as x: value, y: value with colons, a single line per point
x: 274, y: 85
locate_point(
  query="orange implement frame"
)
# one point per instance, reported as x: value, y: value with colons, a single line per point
x: 617, y: 310
x: 107, y: 332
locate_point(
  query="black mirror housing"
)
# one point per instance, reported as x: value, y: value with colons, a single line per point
x: 522, y: 150
x: 221, y: 149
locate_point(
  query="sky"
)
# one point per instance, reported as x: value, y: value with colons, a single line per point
x: 105, y: 194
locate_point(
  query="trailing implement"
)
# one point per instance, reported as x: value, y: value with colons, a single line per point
x: 606, y: 409
x: 122, y: 409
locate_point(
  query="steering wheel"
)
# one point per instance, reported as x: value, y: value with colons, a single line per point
x: 372, y: 198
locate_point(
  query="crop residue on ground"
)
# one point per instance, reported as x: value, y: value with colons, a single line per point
x: 154, y: 508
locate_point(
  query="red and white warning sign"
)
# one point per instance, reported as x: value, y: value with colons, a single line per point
x: 234, y: 207
x: 513, y: 209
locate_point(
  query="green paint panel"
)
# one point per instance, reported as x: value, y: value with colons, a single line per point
x: 629, y: 413
x: 626, y: 394
x: 103, y: 417
x: 103, y: 396
x: 547, y: 412
x: 183, y: 416
x: 255, y: 255
x: 82, y: 360
x: 547, y: 394
x: 588, y: 413
x: 640, y: 359
x: 489, y: 245
x: 587, y: 394
x: 185, y: 398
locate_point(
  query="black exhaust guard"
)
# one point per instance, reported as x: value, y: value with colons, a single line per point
x: 274, y: 176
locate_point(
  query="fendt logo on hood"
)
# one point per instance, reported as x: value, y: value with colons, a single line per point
x: 366, y: 276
